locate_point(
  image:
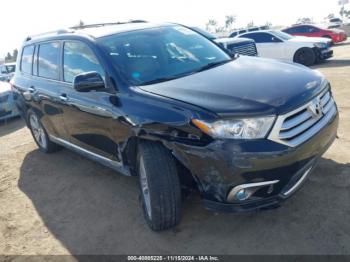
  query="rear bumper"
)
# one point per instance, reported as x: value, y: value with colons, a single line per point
x: 222, y: 165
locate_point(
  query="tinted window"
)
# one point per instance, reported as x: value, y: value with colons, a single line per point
x: 49, y: 54
x: 262, y: 37
x: 27, y: 59
x: 78, y: 58
x: 160, y: 54
x: 312, y: 29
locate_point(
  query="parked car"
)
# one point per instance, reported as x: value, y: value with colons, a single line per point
x: 279, y: 45
x: 164, y: 103
x: 335, y: 35
x: 7, y: 106
x: 335, y: 23
x: 6, y: 71
x: 242, y: 46
x: 251, y: 29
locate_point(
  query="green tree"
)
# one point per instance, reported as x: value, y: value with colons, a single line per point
x: 229, y: 21
x: 250, y: 24
x: 15, y: 54
x: 211, y: 25
x: 8, y: 58
x: 305, y: 20
x: 344, y: 13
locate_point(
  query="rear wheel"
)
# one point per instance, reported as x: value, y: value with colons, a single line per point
x: 160, y: 186
x: 39, y: 134
x: 305, y: 56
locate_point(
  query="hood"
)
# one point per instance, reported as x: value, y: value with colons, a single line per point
x: 230, y: 40
x: 306, y: 39
x: 244, y: 86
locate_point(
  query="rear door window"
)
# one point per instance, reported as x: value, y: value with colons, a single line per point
x: 27, y: 59
x: 78, y: 58
x: 49, y: 57
x: 262, y: 37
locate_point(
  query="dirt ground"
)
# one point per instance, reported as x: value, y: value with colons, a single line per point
x: 65, y: 204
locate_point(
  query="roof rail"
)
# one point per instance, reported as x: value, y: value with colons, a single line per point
x: 105, y: 24
x: 56, y: 32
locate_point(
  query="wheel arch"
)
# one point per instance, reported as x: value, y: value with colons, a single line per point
x: 129, y: 155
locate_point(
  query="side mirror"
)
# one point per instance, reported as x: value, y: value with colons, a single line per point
x: 89, y: 81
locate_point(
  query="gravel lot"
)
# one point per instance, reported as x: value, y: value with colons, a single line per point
x: 65, y: 204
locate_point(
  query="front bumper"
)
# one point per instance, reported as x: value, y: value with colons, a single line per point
x: 323, y: 53
x: 222, y: 165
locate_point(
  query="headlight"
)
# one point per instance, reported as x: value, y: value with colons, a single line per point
x: 320, y: 45
x: 246, y: 128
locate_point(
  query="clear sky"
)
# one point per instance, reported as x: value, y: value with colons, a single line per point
x: 20, y: 18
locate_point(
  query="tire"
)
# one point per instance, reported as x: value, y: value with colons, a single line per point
x: 305, y: 56
x: 40, y: 135
x: 159, y: 185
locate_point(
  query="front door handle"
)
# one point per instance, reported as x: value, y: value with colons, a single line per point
x: 63, y: 97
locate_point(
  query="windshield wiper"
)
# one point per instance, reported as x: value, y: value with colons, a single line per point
x: 211, y: 65
x: 158, y: 80
x: 163, y: 79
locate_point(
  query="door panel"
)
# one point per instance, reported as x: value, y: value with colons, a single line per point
x: 272, y: 50
x: 89, y: 120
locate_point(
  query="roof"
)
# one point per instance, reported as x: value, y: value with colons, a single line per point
x: 99, y: 30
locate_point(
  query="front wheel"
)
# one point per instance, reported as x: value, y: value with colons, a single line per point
x: 39, y: 134
x: 160, y: 186
x: 305, y: 56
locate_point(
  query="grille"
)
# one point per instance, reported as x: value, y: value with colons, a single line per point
x: 300, y: 125
x: 243, y: 49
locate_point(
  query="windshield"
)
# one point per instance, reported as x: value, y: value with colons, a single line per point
x: 10, y: 68
x: 205, y: 33
x: 282, y: 35
x: 160, y: 54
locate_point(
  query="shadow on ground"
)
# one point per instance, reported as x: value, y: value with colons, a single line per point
x: 10, y: 125
x: 92, y: 210
x: 332, y: 63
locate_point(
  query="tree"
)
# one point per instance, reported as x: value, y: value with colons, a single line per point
x: 211, y: 25
x: 14, y: 54
x: 305, y: 20
x: 268, y: 24
x: 8, y: 57
x: 250, y: 24
x: 229, y: 21
x: 330, y: 16
x: 80, y: 24
x: 344, y: 13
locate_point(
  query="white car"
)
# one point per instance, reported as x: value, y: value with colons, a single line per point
x: 279, y: 45
x: 7, y: 106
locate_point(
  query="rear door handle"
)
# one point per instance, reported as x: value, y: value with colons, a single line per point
x: 63, y: 97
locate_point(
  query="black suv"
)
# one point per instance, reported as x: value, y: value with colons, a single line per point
x: 164, y: 103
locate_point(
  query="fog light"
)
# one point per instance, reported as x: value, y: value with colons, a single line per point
x: 241, y: 195
x: 244, y: 191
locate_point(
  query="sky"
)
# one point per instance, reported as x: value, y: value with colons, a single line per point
x: 22, y: 18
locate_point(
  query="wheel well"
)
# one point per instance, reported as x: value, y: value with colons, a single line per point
x: 130, y: 158
x: 296, y: 52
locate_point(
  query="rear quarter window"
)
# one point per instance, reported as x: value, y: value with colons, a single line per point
x: 49, y: 56
x: 27, y: 59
